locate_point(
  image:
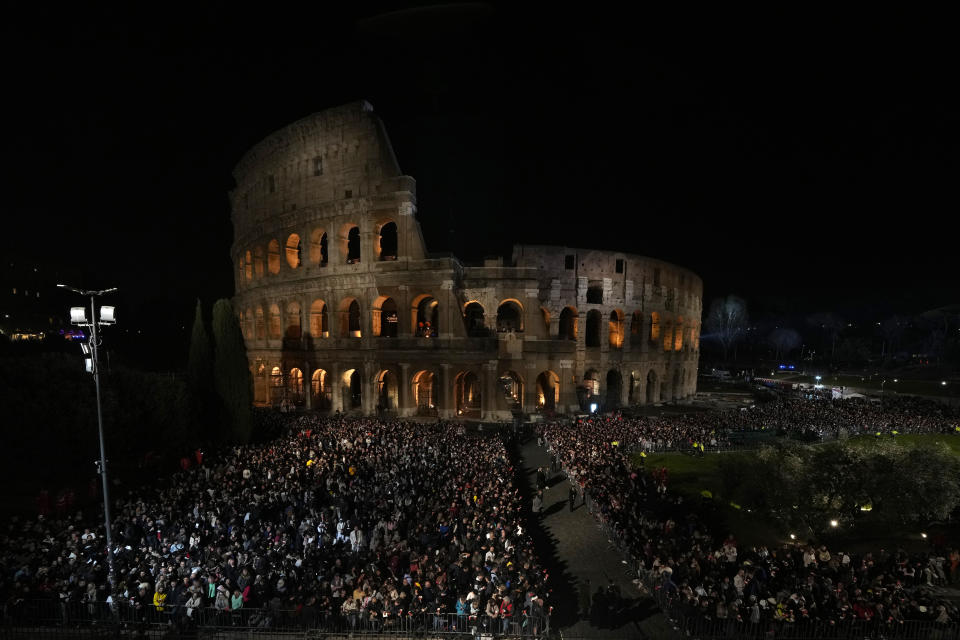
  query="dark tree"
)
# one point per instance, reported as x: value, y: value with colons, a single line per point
x: 727, y: 322
x: 203, y: 398
x: 231, y: 373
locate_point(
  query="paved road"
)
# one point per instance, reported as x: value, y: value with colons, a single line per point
x: 578, y: 550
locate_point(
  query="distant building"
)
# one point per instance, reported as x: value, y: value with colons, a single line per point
x: 343, y: 308
x: 31, y: 307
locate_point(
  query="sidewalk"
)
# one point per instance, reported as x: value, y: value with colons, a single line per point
x: 584, y: 553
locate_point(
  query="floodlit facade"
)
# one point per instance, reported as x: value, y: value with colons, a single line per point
x: 343, y: 308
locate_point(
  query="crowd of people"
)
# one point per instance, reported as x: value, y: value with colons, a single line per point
x: 817, y: 416
x: 372, y: 523
x: 357, y: 523
x: 714, y: 579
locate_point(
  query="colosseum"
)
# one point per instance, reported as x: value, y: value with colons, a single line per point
x: 344, y: 309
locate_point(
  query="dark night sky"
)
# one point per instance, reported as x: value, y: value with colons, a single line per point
x: 803, y: 164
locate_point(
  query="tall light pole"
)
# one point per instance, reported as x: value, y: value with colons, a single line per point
x: 78, y: 316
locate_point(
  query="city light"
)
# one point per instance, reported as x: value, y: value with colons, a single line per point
x: 834, y: 523
x: 793, y: 536
x: 923, y: 535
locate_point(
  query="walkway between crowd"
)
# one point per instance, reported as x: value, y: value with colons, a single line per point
x: 588, y: 555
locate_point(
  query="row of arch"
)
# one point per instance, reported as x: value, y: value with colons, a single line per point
x: 467, y: 393
x: 275, y: 322
x: 258, y: 262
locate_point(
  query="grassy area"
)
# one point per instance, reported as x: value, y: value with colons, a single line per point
x: 690, y: 476
x: 952, y: 442
x: 875, y: 383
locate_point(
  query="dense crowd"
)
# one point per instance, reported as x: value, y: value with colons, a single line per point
x: 815, y: 416
x: 722, y: 581
x: 359, y: 523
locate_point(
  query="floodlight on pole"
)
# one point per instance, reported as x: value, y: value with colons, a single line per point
x: 78, y: 316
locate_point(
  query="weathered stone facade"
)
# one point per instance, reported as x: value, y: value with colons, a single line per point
x: 342, y: 307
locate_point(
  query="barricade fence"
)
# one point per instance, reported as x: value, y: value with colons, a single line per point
x: 26, y: 615
x: 692, y: 622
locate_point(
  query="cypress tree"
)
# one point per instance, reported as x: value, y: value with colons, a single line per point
x: 231, y: 371
x: 203, y: 400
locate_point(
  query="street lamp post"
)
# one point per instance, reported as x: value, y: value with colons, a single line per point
x: 78, y: 317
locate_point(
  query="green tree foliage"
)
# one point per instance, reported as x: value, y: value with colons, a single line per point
x: 203, y: 398
x: 873, y: 484
x: 231, y: 372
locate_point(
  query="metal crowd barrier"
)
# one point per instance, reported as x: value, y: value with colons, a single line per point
x: 27, y: 616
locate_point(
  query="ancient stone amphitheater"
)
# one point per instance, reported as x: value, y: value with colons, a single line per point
x: 343, y: 308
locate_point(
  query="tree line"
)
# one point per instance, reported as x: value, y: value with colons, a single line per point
x: 50, y: 413
x: 826, y: 337
x: 863, y: 485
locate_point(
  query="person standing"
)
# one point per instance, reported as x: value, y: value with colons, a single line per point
x: 538, y: 503
x: 584, y: 592
x: 573, y: 496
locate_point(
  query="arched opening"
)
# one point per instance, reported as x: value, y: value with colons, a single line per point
x: 352, y: 247
x: 293, y: 251
x: 589, y: 390
x: 651, y: 387
x: 386, y: 320
x: 695, y: 338
x: 388, y: 241
x: 294, y: 327
x: 248, y: 326
x: 423, y: 393
x: 678, y: 335
x: 260, y: 383
x: 667, y: 335
x: 318, y: 247
x: 350, y: 318
x: 593, y: 328
x: 614, y: 389
x: 654, y: 326
x: 295, y: 386
x: 512, y: 385
x: 467, y: 394
x: 261, y: 325
x: 473, y: 315
x: 388, y: 399
x: 426, y: 316
x: 258, y: 262
x: 318, y: 320
x: 509, y: 316
x: 277, y: 390
x: 636, y: 329
x: 273, y: 257
x: 320, y: 390
x: 548, y: 391
x: 616, y: 329
x: 276, y: 330
x: 568, y: 324
x: 352, y: 389
x: 248, y: 266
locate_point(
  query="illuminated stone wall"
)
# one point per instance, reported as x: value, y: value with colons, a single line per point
x: 343, y: 308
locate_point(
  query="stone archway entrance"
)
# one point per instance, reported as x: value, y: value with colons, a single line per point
x: 614, y: 390
x: 652, y: 387
x: 388, y: 398
x: 352, y: 386
x: 467, y: 394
